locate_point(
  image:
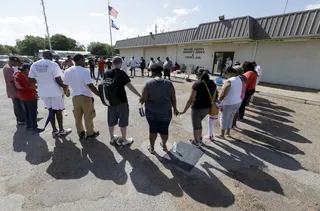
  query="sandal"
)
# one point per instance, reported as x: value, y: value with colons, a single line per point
x: 221, y: 137
x: 151, y: 150
x: 164, y: 147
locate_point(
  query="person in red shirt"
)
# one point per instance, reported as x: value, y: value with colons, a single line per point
x: 28, y: 95
x: 251, y: 76
x: 101, y: 66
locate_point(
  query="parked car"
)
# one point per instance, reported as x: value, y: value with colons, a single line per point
x: 25, y: 59
x: 3, y: 60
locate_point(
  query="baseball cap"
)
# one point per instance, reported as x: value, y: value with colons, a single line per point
x: 24, y: 66
x: 14, y: 59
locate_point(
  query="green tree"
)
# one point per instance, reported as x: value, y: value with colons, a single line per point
x: 30, y: 45
x: 4, y: 50
x: 103, y: 49
x: 13, y: 50
x: 63, y: 43
x: 80, y: 47
x: 98, y: 48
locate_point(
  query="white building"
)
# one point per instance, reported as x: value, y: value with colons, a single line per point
x: 287, y: 46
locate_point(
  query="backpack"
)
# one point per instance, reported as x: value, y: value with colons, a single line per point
x: 108, y: 90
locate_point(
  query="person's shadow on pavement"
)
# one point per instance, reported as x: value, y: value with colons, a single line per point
x: 103, y: 163
x: 146, y: 177
x: 202, y: 188
x: 242, y: 167
x: 68, y: 161
x: 33, y: 145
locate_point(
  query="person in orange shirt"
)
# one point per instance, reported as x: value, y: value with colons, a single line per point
x: 28, y: 95
x: 251, y: 76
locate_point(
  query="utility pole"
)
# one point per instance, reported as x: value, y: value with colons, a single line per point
x: 285, y: 8
x: 156, y: 29
x: 46, y: 22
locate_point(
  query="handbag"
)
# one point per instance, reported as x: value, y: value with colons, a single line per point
x: 213, y: 109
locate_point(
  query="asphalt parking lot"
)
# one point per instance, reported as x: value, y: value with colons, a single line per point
x: 272, y: 163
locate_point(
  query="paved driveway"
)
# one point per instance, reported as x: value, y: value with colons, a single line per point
x: 271, y: 164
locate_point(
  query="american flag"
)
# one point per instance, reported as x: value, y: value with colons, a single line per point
x: 113, y: 12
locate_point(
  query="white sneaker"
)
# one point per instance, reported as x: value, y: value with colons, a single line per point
x: 65, y: 132
x: 113, y: 140
x: 129, y: 141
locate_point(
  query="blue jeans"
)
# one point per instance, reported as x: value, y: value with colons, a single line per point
x: 18, y: 110
x: 31, y: 108
x: 100, y: 72
x: 133, y: 70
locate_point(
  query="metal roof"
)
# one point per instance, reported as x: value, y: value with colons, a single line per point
x: 291, y: 25
x: 168, y: 38
x: 236, y: 28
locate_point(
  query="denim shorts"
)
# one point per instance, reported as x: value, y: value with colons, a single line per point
x: 118, y: 115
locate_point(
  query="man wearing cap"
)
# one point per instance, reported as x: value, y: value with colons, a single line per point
x: 12, y: 92
x: 28, y: 95
x: 48, y: 75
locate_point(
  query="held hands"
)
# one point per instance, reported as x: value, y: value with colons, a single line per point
x: 176, y: 112
x: 141, y: 101
x: 67, y: 92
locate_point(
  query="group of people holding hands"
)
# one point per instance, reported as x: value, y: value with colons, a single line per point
x: 158, y: 97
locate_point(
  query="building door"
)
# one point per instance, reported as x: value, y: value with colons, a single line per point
x: 219, y: 62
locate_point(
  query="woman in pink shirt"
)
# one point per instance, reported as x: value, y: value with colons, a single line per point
x: 251, y: 76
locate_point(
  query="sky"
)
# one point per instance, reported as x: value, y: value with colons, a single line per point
x: 88, y: 21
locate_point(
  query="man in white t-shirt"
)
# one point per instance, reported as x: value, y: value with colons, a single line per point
x: 133, y: 64
x: 258, y: 69
x: 124, y: 66
x: 229, y: 62
x: 47, y: 74
x: 78, y: 78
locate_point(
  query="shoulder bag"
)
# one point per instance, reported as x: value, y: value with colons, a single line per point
x: 213, y: 109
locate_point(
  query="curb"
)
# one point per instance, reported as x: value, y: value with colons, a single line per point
x: 283, y: 97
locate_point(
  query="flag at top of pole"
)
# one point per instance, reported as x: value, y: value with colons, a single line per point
x: 113, y: 12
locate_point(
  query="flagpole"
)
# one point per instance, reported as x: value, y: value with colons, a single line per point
x: 110, y: 28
